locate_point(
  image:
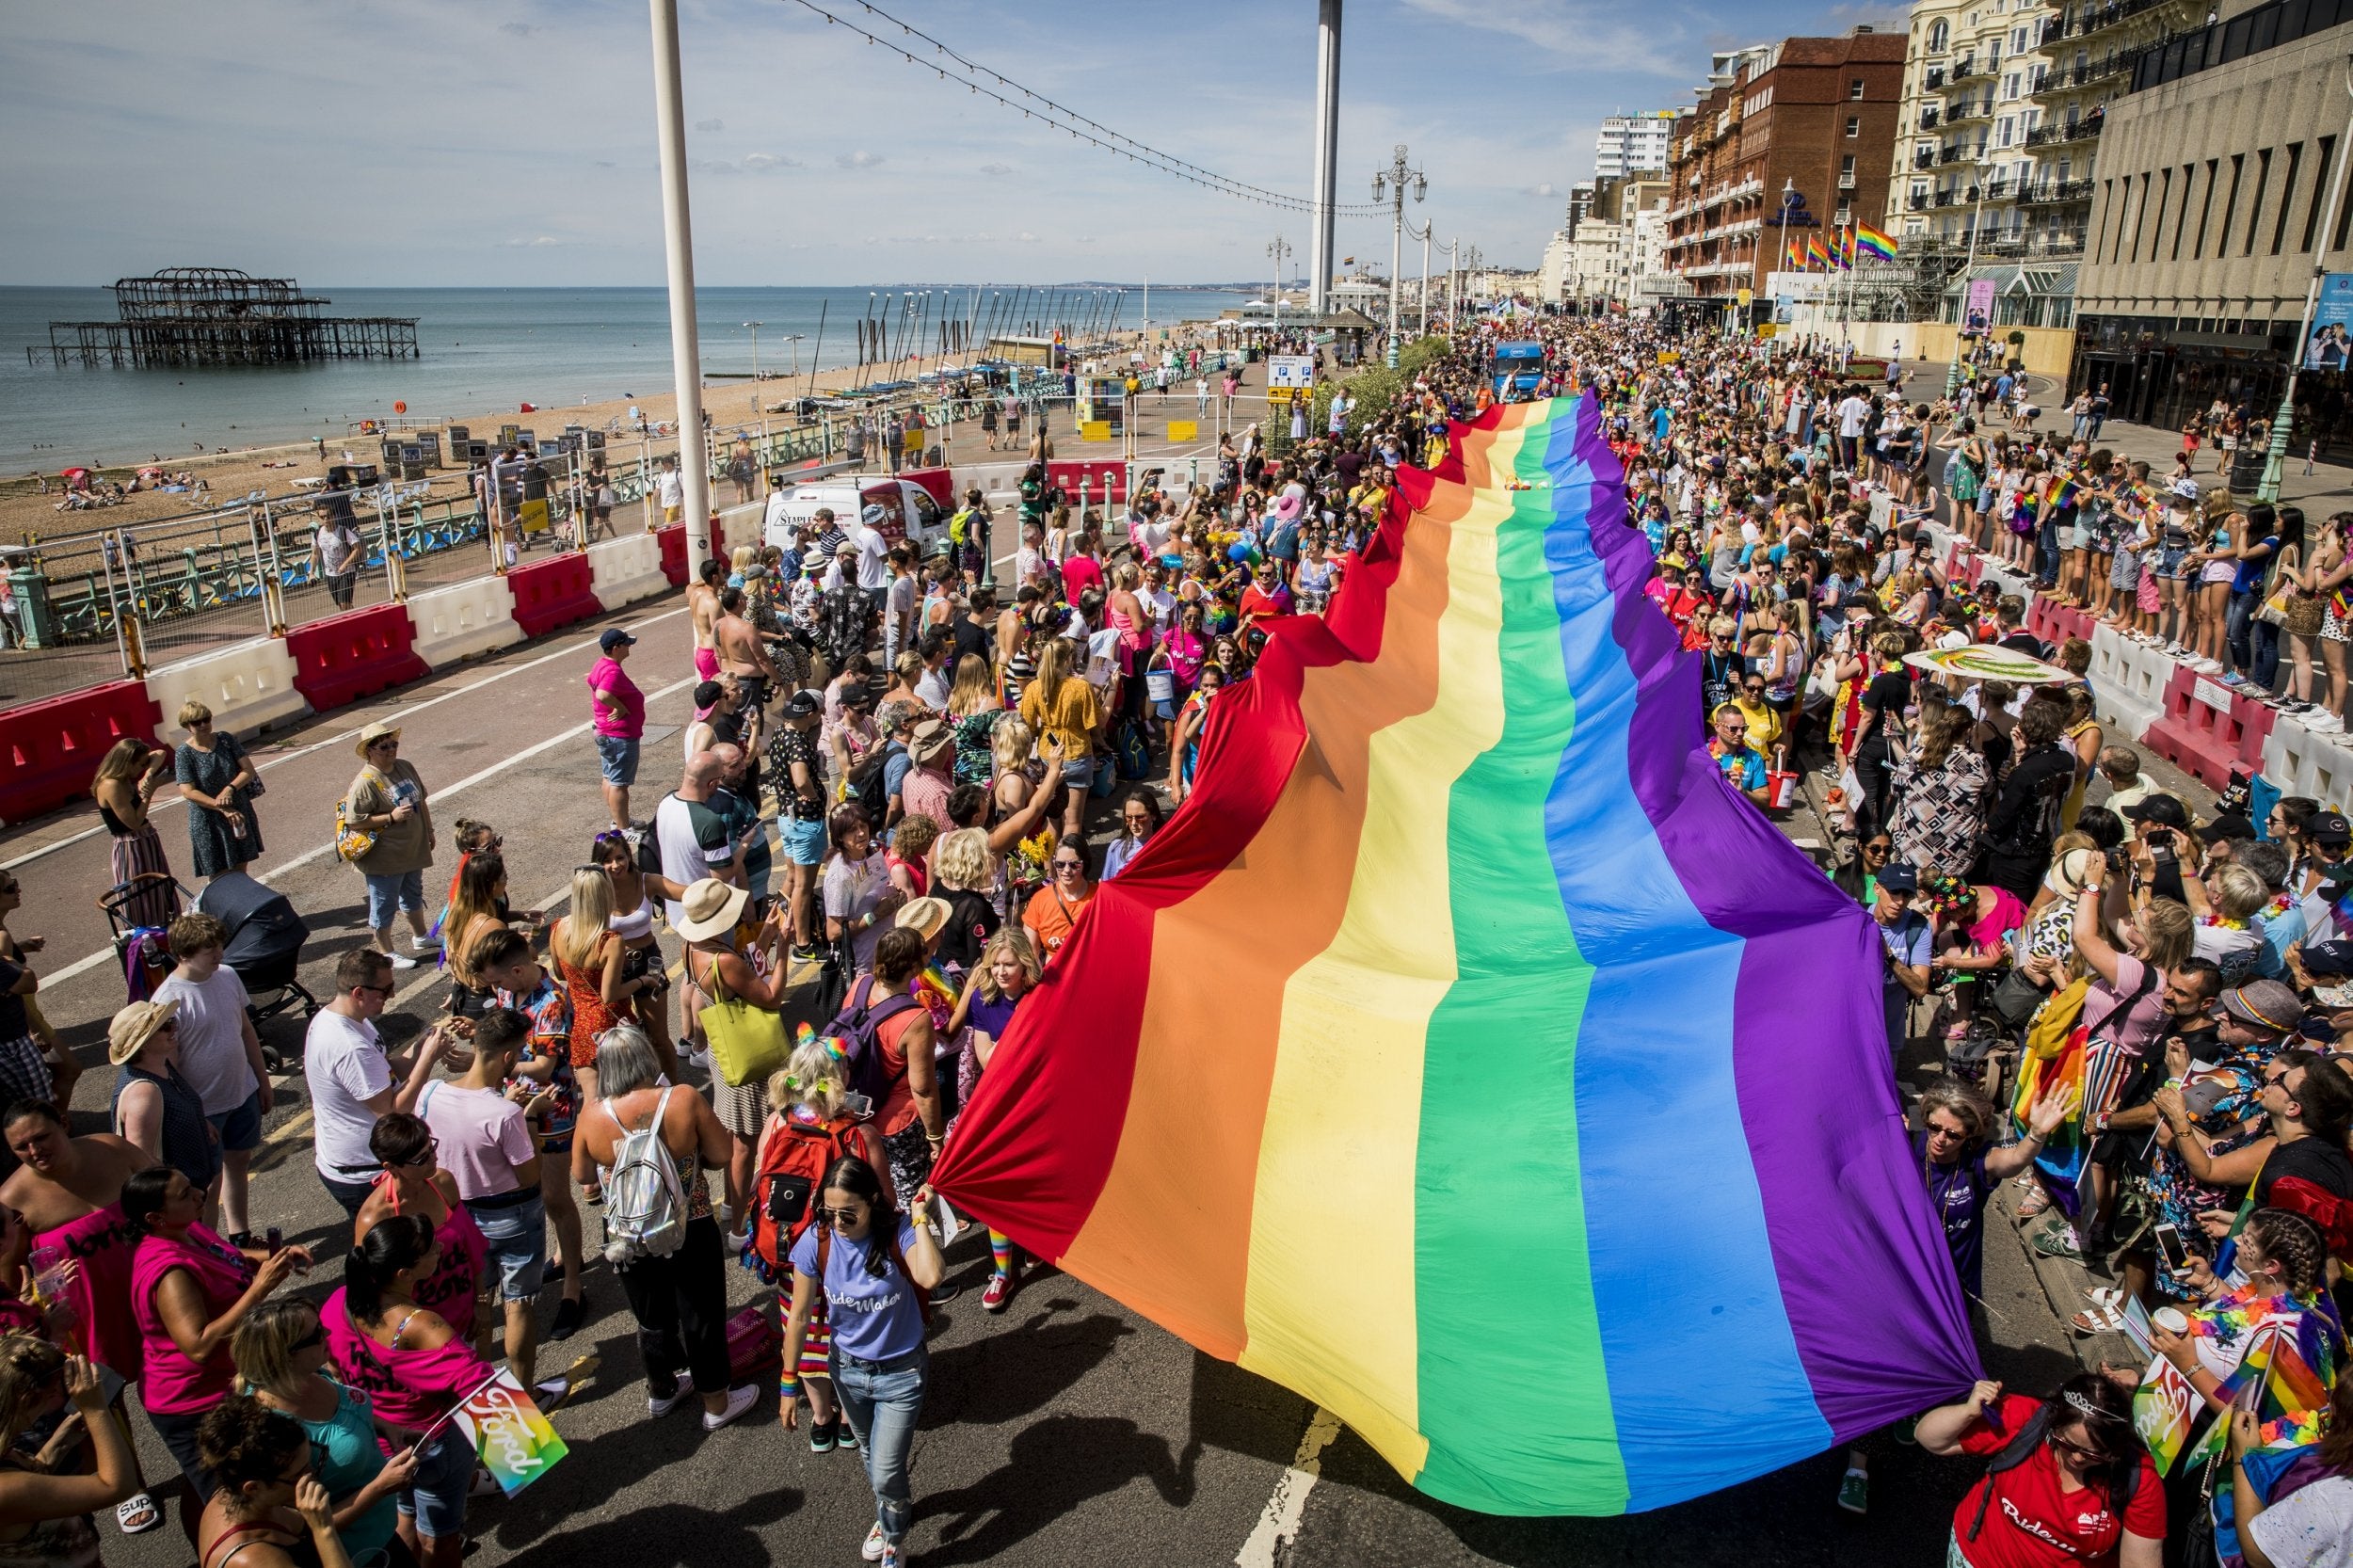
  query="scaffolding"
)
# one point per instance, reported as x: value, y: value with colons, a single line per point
x: 195, y: 316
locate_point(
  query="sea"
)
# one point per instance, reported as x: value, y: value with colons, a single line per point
x: 482, y: 350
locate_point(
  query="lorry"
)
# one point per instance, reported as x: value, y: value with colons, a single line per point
x: 1517, y: 368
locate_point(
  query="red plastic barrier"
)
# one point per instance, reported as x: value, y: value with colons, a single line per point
x: 555, y: 592
x: 672, y: 539
x: 49, y: 750
x: 1097, y: 473
x: 2054, y: 622
x: 2209, y: 730
x: 1962, y: 563
x: 344, y: 658
x: 939, y: 481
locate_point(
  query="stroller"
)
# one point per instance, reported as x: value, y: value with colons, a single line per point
x: 264, y: 945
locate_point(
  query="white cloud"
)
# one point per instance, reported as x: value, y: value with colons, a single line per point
x: 711, y: 126
x: 1582, y: 33
x: 1543, y: 189
x: 859, y: 159
x: 517, y: 29
x: 997, y: 170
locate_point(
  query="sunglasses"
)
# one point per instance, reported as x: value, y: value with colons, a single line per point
x: 840, y: 1216
x: 384, y: 991
x: 311, y: 1340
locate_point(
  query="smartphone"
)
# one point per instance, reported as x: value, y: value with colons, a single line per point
x: 857, y: 1105
x: 2171, y: 1249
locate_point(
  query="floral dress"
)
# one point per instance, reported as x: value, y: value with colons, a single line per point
x: 976, y: 763
x: 2225, y: 1105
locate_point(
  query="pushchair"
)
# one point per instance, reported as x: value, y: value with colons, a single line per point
x: 264, y: 945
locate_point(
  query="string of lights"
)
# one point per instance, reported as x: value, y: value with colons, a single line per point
x: 979, y: 79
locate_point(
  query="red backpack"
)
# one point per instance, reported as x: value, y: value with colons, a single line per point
x: 784, y: 1192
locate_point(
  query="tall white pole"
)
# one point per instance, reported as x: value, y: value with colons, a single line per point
x: 2275, y: 456
x: 1327, y: 158
x: 670, y: 108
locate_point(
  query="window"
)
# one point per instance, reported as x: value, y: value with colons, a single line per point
x: 2230, y: 206
x: 1854, y: 87
x: 1846, y: 169
x: 2018, y: 41
x: 2002, y: 133
x: 2181, y: 220
x: 2165, y: 195
x: 2105, y: 207
x: 2140, y: 220
x: 2009, y: 87
x: 2255, y: 207
x: 1940, y: 34
x: 1854, y: 126
x: 2205, y: 209
x: 2320, y: 190
x: 2287, y: 197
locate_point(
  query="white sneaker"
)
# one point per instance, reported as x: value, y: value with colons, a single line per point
x: 400, y: 961
x: 424, y: 944
x: 656, y: 1405
x: 876, y: 1542
x: 739, y: 1401
x: 2327, y: 724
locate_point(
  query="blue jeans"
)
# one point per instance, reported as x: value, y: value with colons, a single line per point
x: 882, y: 1401
x: 2236, y: 625
x: 2046, y: 551
x: 437, y: 1499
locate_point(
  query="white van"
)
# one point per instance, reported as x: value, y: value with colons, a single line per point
x: 897, y: 508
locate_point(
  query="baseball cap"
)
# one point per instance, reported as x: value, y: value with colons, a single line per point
x: 2164, y: 810
x: 615, y: 637
x: 2229, y: 824
x: 800, y: 705
x: 2329, y: 827
x: 1898, y: 878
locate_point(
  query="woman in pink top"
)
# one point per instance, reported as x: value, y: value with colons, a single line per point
x: 415, y: 1367
x: 412, y: 1182
x: 189, y: 1290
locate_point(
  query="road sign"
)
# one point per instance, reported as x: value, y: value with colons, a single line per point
x: 1290, y: 370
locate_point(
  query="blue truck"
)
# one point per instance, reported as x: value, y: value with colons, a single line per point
x: 1517, y: 368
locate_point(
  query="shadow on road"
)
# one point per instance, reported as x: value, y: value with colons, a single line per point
x: 1052, y: 1469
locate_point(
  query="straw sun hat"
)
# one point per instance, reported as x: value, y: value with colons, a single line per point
x: 711, y: 908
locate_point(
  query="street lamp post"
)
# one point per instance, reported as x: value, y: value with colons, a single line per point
x: 1280, y: 250
x: 1389, y: 185
x: 755, y: 326
x: 2275, y: 461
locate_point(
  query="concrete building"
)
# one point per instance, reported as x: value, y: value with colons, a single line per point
x: 2218, y: 157
x: 1633, y: 144
x: 1801, y: 131
x: 1948, y: 149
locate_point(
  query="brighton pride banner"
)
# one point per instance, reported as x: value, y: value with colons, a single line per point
x: 1468, y: 1057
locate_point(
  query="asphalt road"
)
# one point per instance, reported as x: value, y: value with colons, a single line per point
x: 1068, y: 1429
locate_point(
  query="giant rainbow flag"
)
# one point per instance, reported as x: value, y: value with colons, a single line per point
x: 1468, y: 1058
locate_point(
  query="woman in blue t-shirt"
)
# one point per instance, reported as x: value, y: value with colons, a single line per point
x: 874, y: 1297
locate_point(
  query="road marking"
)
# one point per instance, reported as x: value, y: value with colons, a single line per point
x: 568, y: 651
x: 292, y: 1128
x: 107, y: 955
x: 1278, y: 1525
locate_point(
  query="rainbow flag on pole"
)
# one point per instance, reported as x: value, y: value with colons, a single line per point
x: 1875, y: 243
x: 1364, y: 1074
x: 1816, y: 255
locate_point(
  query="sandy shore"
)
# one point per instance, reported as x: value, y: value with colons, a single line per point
x: 28, y: 516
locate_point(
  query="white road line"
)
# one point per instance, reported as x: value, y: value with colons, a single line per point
x: 106, y: 955
x: 1278, y: 1525
x: 568, y: 651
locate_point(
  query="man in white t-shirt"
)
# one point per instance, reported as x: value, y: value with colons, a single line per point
x: 1853, y: 414
x: 220, y: 1057
x: 874, y: 557
x: 670, y: 491
x: 351, y: 1080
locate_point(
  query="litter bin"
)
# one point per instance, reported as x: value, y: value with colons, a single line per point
x: 2247, y: 469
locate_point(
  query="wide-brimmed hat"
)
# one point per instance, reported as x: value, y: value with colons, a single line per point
x: 133, y: 1026
x: 1287, y: 506
x: 930, y: 738
x: 925, y: 917
x: 372, y: 734
x: 711, y: 908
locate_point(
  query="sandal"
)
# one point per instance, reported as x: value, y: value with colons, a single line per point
x: 2097, y: 1320
x: 137, y: 1514
x: 2033, y: 1205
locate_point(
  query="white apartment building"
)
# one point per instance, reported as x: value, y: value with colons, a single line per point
x: 1629, y: 143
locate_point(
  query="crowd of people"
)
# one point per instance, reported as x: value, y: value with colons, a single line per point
x: 902, y: 785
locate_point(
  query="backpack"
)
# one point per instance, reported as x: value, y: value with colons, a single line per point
x: 869, y: 789
x: 644, y: 1206
x: 2018, y: 1449
x: 786, y: 1186
x: 858, y: 1026
x: 898, y: 1259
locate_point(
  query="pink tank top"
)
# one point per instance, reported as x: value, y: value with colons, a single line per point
x: 411, y: 1388
x: 170, y: 1382
x: 449, y: 1289
x: 100, y: 1241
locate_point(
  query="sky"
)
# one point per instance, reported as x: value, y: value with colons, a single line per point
x: 512, y: 142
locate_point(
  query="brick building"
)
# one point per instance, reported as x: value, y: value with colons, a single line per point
x: 1813, y: 115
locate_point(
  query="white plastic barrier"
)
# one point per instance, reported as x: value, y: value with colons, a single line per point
x: 2127, y: 683
x: 463, y: 619
x: 2301, y: 762
x: 626, y: 570
x: 248, y: 686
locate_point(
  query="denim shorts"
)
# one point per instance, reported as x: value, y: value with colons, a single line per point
x: 518, y: 1237
x: 178, y: 1430
x: 437, y: 1499
x: 620, y: 757
x: 404, y: 889
x: 240, y: 1126
x: 805, y: 841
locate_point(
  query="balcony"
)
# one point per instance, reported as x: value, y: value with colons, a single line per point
x: 1924, y: 158
x: 1916, y: 202
x: 2054, y: 193
x: 1970, y: 71
x: 1934, y: 79
x: 2067, y: 131
x: 1958, y: 109
x: 1953, y: 155
x: 1928, y: 118
x: 2076, y: 78
x: 2095, y: 19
